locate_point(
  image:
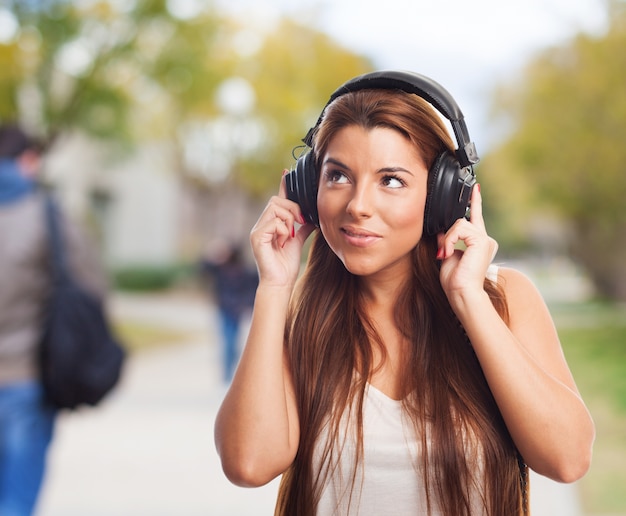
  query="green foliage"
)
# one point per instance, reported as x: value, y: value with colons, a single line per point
x: 566, y: 149
x: 128, y: 71
x: 601, y: 349
x: 138, y: 336
x: 145, y: 278
x: 96, y: 66
x: 293, y: 75
x: 594, y: 341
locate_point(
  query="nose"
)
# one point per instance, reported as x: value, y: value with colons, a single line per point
x: 361, y: 204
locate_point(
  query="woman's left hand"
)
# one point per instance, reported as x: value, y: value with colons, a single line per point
x: 521, y: 357
x: 463, y: 271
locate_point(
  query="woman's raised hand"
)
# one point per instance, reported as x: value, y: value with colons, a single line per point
x: 277, y: 243
x: 463, y: 271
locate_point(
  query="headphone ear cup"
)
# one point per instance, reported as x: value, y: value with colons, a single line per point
x: 301, y: 183
x: 449, y: 192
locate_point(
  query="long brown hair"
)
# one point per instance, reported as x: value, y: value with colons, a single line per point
x: 329, y: 338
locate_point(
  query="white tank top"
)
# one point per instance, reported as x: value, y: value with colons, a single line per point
x: 387, y: 481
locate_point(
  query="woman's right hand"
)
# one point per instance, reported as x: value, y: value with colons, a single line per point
x: 276, y: 243
x: 257, y: 428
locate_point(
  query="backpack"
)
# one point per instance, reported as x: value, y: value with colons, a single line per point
x: 80, y: 360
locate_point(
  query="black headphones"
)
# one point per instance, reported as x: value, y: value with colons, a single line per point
x: 451, y: 176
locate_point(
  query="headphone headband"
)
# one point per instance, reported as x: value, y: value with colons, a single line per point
x: 451, y: 178
x: 420, y: 85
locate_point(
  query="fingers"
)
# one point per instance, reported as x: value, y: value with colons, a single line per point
x: 476, y: 207
x: 294, y: 207
x: 282, y: 190
x: 278, y: 221
x: 472, y: 233
x: 494, y: 246
x: 281, y: 231
x: 281, y: 217
x: 477, y: 219
x: 446, y: 243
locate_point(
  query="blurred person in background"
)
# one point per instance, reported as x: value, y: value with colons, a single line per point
x: 233, y: 284
x: 26, y: 421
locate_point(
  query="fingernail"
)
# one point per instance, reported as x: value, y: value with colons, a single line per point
x: 302, y: 221
x: 293, y: 232
x: 440, y: 253
x: 285, y: 172
x: 478, y: 186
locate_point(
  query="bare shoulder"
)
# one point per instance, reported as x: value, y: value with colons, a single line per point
x: 520, y: 290
x: 531, y: 323
x: 511, y: 278
x: 528, y: 312
x: 530, y: 319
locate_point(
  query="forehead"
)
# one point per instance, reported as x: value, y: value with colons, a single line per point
x: 378, y: 143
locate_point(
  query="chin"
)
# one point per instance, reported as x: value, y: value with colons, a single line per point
x: 358, y: 267
x: 367, y: 266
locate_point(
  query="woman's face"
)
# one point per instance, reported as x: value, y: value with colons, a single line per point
x: 371, y: 199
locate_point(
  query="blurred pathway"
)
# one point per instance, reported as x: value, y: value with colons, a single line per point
x: 148, y: 449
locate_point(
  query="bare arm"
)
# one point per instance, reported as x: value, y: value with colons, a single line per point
x: 257, y: 427
x: 530, y: 379
x: 523, y: 361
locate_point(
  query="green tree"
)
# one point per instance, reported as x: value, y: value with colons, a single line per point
x: 291, y: 75
x: 115, y: 70
x: 127, y: 71
x: 566, y: 149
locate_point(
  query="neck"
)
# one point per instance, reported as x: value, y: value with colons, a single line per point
x: 382, y: 290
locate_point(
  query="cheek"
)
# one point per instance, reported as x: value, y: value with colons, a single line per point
x: 407, y: 215
x: 328, y: 206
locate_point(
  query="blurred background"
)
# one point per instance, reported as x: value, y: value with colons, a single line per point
x: 168, y: 125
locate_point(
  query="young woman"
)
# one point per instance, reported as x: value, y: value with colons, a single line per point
x: 399, y: 374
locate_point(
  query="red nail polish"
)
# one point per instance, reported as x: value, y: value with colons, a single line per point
x: 440, y: 253
x: 293, y: 232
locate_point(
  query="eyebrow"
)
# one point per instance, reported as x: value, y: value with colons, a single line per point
x: 395, y: 169
x: 384, y: 170
x: 336, y: 162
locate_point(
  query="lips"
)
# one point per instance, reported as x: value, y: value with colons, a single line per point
x: 359, y: 237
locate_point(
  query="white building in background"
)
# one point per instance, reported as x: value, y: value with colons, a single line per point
x: 143, y: 217
x: 133, y: 201
x: 145, y: 213
x: 141, y: 209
